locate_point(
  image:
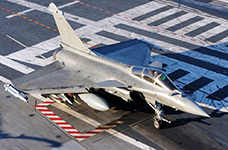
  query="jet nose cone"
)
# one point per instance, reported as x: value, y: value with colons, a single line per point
x: 193, y: 108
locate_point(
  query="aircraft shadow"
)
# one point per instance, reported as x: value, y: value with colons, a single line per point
x: 119, y: 104
x: 199, y: 119
x: 52, y: 143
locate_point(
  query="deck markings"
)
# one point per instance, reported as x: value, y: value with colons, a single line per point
x: 167, y: 18
x: 178, y: 74
x: 218, y: 37
x: 158, y: 28
x: 42, y: 107
x: 197, y: 19
x: 152, y: 13
x: 212, y: 96
x: 220, y: 94
x: 202, y: 29
x: 22, y: 12
x: 28, y: 19
x: 197, y: 84
x: 38, y: 23
x: 184, y: 23
x: 161, y: 29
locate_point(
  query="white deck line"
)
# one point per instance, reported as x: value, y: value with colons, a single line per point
x: 15, y: 65
x: 21, y: 13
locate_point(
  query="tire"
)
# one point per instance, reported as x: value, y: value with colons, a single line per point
x: 157, y: 124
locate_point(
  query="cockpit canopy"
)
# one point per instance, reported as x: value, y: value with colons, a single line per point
x: 154, y: 76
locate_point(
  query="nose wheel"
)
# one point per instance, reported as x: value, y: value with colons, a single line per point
x: 158, y: 119
x: 157, y: 124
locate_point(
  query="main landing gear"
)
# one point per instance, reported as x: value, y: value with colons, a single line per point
x: 158, y: 119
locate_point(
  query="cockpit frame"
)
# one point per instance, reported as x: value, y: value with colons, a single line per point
x: 154, y: 76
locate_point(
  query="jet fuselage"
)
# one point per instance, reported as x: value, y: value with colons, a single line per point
x: 99, y: 69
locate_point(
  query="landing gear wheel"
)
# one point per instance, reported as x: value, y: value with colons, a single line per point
x: 158, y: 119
x: 157, y: 124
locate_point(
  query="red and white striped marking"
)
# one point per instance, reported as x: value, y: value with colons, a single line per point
x: 42, y: 107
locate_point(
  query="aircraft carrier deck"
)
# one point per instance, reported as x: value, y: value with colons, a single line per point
x: 198, y: 50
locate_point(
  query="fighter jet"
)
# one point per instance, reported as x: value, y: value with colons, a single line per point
x: 80, y: 70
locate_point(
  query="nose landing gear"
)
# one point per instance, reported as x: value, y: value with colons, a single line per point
x: 158, y: 119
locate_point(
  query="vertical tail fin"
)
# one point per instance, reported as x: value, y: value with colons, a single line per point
x: 69, y: 37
